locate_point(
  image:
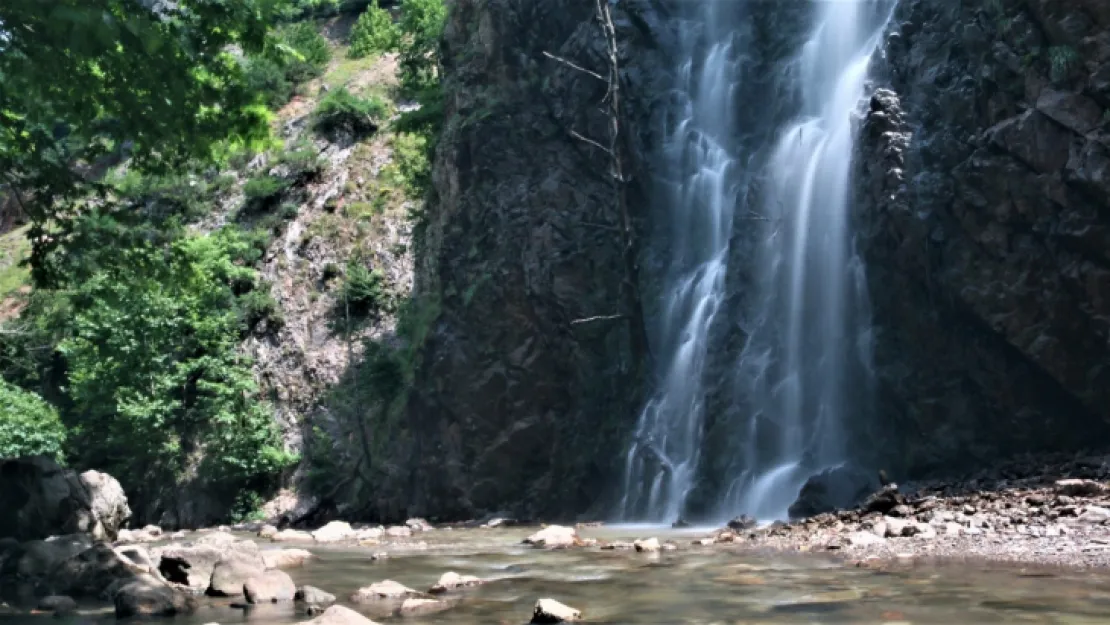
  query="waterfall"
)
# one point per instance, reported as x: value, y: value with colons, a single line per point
x: 662, y: 460
x: 806, y: 358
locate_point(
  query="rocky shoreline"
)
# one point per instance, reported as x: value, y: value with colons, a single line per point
x: 1030, y: 514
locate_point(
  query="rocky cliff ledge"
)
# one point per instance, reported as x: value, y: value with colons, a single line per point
x: 514, y: 405
x: 984, y: 205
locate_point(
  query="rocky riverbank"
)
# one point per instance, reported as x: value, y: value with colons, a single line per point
x: 1031, y: 514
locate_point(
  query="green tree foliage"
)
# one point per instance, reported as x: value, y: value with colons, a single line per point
x: 422, y: 23
x: 364, y: 292
x: 373, y: 33
x: 82, y: 80
x: 296, y: 54
x: 304, y: 51
x: 147, y: 324
x: 28, y: 425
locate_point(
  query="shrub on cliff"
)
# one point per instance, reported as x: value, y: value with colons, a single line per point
x: 28, y: 425
x: 342, y: 111
x: 373, y: 33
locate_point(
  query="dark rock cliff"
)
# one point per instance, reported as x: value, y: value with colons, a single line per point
x: 515, y: 408
x: 983, y: 208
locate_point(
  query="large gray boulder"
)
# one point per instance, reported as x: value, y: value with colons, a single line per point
x: 233, y: 571
x: 270, y: 587
x: 43, y: 499
x: 833, y: 489
x: 146, y: 596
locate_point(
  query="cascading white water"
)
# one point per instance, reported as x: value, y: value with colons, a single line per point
x: 804, y: 345
x: 663, y: 458
x: 809, y: 349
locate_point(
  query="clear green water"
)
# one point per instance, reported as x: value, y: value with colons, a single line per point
x: 704, y: 586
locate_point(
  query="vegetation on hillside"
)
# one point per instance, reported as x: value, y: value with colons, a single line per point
x: 125, y: 128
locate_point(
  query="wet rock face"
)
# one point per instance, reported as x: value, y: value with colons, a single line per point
x: 518, y: 409
x: 984, y: 215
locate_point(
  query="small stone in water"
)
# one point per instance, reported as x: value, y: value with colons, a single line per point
x: 650, y: 545
x: 551, y: 611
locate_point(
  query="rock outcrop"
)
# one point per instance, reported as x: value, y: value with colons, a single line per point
x: 984, y: 216
x: 43, y: 499
x: 518, y: 406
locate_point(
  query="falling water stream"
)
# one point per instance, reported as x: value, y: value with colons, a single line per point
x: 809, y: 339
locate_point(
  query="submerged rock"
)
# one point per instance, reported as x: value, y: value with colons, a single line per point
x: 147, y: 597
x: 292, y: 536
x: 551, y: 611
x: 313, y: 596
x: 60, y: 605
x: 398, y: 531
x: 339, y: 615
x: 414, y: 606
x: 284, y: 558
x: 453, y: 581
x: 383, y: 590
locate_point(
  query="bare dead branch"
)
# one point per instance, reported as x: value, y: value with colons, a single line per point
x: 590, y: 141
x: 578, y: 322
x: 573, y: 66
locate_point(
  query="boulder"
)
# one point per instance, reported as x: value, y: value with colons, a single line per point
x: 284, y: 558
x: 651, y: 545
x: 896, y: 527
x: 233, y: 571
x: 415, y: 606
x: 90, y: 573
x: 339, y: 615
x: 43, y: 499
x: 418, y: 525
x: 267, y: 531
x: 313, y: 596
x: 1079, y: 488
x: 292, y: 536
x: 270, y: 587
x: 833, y: 489
x: 369, y: 533
x: 864, y: 539
x: 883, y: 500
x: 1095, y: 515
x: 453, y: 581
x: 220, y: 538
x: 137, y: 556
x: 553, y: 537
x: 398, y: 531
x: 147, y: 597
x: 383, y: 590
x: 334, y: 531
x: 551, y: 611
x: 742, y: 523
x: 188, y: 566
x: 60, y: 605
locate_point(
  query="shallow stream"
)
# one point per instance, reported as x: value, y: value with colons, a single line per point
x: 693, y: 585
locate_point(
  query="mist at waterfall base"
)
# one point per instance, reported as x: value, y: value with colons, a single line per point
x: 805, y: 365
